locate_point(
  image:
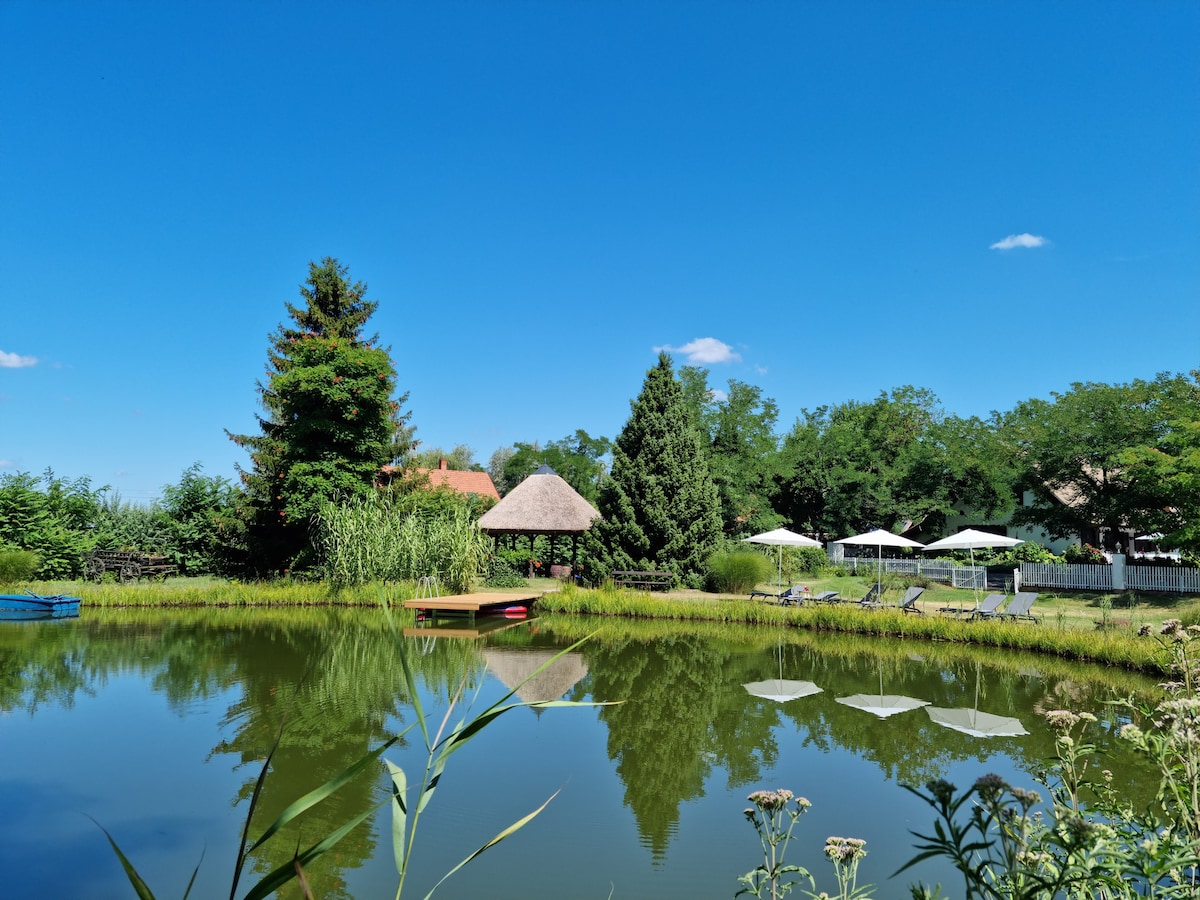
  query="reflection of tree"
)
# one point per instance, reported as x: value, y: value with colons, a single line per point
x: 667, y: 738
x: 331, y: 676
x: 687, y: 712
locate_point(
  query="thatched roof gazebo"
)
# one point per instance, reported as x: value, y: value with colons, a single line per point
x: 541, y: 504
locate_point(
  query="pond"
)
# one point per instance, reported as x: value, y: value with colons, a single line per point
x: 154, y: 724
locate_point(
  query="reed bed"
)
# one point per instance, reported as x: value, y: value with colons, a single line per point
x: 217, y: 593
x: 370, y: 540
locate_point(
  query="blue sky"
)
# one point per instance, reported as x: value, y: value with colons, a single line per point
x: 828, y: 200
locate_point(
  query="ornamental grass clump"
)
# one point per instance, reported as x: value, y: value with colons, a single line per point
x: 737, y: 571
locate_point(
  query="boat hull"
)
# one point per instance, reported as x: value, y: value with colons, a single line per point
x: 35, y: 606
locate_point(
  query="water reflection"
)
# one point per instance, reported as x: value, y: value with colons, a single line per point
x: 680, y: 753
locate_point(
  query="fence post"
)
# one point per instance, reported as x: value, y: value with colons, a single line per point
x: 1118, y: 571
x: 1016, y: 579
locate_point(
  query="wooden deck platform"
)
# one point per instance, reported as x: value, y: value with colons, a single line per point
x: 484, y: 602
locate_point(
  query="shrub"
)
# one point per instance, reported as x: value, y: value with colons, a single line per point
x: 502, y: 573
x: 17, y: 565
x: 1084, y: 554
x: 806, y: 560
x: 737, y: 571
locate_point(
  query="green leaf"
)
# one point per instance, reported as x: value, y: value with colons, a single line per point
x: 139, y: 886
x: 507, y: 832
x: 285, y: 873
x: 399, y: 815
x: 313, y: 797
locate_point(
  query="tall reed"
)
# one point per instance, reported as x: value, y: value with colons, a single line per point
x: 371, y: 540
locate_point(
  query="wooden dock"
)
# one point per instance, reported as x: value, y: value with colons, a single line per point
x: 485, y: 603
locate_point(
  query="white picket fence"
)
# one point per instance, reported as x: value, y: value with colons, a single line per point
x: 936, y: 570
x: 1115, y: 577
x: 1173, y: 579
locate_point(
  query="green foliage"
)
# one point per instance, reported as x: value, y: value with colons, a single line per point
x: 774, y: 820
x: 738, y: 431
x: 579, y: 459
x: 330, y: 423
x: 1169, y: 469
x: 461, y: 458
x: 205, y: 533
x: 1117, y: 450
x: 50, y: 517
x: 1091, y: 842
x: 1084, y: 554
x: 737, y: 572
x: 17, y: 565
x: 370, y: 538
x: 805, y: 560
x: 660, y: 507
x: 893, y: 461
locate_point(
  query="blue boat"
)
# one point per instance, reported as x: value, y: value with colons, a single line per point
x: 34, y: 606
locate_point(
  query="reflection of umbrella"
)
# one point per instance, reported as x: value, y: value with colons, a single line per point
x: 970, y: 539
x: 781, y: 689
x: 969, y: 720
x: 881, y: 704
x: 781, y: 538
x: 879, y: 539
x: 976, y: 723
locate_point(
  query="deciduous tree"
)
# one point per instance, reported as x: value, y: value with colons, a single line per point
x: 1078, y: 453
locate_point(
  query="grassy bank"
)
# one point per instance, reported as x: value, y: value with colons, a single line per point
x: 1067, y: 630
x: 1069, y: 624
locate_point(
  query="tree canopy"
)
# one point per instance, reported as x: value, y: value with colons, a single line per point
x: 1110, y: 457
x: 330, y: 421
x: 660, y: 506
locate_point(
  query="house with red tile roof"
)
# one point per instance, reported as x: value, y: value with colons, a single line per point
x: 460, y: 481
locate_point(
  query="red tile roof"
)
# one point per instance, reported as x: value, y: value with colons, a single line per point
x: 464, y: 482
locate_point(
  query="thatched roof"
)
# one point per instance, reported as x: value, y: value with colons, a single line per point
x: 541, y: 504
x: 515, y: 666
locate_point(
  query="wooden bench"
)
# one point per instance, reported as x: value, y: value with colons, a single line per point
x: 646, y: 581
x: 128, y: 566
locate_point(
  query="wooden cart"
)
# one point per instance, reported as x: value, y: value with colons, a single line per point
x: 127, y: 566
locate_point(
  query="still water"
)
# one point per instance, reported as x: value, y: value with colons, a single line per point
x: 155, y: 724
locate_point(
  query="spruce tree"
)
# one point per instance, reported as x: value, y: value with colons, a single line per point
x: 659, y: 506
x: 329, y: 421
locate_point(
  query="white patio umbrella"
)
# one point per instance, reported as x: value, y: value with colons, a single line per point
x: 879, y: 539
x: 970, y: 539
x: 781, y: 689
x: 781, y: 538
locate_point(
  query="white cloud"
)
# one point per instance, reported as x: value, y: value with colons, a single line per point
x: 704, y: 350
x: 717, y: 396
x: 1025, y: 239
x: 15, y: 361
x: 7, y: 464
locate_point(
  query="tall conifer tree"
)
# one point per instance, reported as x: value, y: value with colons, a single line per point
x: 329, y: 421
x: 659, y: 506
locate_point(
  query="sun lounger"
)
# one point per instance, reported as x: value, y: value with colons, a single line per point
x: 871, y: 600
x: 827, y: 597
x: 908, y: 602
x: 989, y: 608
x: 1022, y: 602
x: 794, y: 594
